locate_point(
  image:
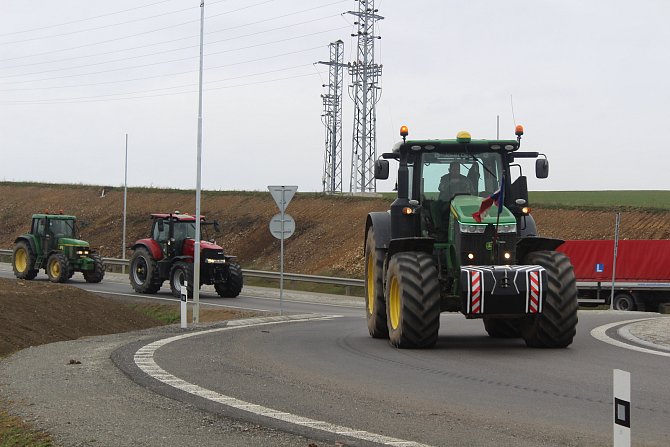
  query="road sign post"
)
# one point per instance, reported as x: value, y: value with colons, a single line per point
x: 282, y: 228
x: 621, y: 408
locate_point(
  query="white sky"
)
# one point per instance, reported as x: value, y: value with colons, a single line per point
x: 589, y: 81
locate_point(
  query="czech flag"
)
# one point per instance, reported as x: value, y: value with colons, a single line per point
x: 497, y: 198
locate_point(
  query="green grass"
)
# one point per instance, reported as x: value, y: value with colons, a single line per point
x: 16, y: 433
x: 160, y: 312
x: 651, y: 200
x: 305, y: 286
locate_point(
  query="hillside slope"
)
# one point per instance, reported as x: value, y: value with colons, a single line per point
x: 329, y: 230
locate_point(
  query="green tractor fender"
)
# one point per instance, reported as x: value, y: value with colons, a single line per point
x: 527, y: 245
x: 30, y: 240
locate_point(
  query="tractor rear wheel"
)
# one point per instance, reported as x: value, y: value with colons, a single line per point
x: 144, y: 275
x: 556, y: 326
x: 232, y: 287
x: 23, y: 261
x: 375, y: 309
x: 58, y: 268
x: 180, y: 272
x: 502, y: 327
x: 412, y: 300
x: 98, y: 271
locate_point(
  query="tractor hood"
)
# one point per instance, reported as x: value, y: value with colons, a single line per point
x: 463, y: 207
x: 189, y: 245
x: 66, y: 241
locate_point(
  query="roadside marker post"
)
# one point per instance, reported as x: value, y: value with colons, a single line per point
x: 621, y: 408
x: 282, y: 228
x: 184, y: 301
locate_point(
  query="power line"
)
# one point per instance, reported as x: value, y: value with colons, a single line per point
x: 174, y: 60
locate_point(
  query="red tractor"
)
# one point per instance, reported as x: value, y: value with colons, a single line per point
x: 168, y: 255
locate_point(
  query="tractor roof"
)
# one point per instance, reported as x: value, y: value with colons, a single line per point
x: 54, y: 216
x: 457, y: 146
x: 179, y: 217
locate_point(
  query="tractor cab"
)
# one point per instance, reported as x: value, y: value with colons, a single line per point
x: 54, y: 230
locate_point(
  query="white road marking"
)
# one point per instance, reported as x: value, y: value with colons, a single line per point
x: 600, y: 334
x: 144, y: 359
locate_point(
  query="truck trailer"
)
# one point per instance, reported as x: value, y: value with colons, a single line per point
x: 641, y: 279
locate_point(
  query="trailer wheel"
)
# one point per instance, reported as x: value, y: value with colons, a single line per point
x: 412, y: 300
x: 144, y: 276
x: 58, y: 268
x: 623, y: 301
x: 375, y: 308
x: 555, y: 327
x: 23, y: 261
x: 98, y: 271
x: 502, y: 327
x: 179, y: 273
x: 232, y: 287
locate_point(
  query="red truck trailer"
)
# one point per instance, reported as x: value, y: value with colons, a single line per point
x: 642, y: 280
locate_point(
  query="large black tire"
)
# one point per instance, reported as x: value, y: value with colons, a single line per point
x: 502, y: 327
x: 180, y: 272
x: 375, y: 308
x: 624, y: 301
x: 556, y: 326
x: 233, y: 286
x: 98, y: 271
x: 23, y: 261
x: 144, y: 275
x: 58, y: 268
x: 412, y: 300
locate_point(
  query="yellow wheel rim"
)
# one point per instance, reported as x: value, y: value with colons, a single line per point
x: 21, y: 260
x: 371, y: 285
x: 394, y: 303
x: 54, y: 268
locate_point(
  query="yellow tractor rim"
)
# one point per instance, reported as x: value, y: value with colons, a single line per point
x: 21, y: 260
x: 371, y: 285
x: 54, y: 268
x: 394, y: 303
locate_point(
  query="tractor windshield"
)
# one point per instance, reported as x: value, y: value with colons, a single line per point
x: 184, y: 230
x: 450, y: 174
x: 60, y: 228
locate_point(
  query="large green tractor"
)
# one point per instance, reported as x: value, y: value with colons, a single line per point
x: 52, y: 245
x: 460, y: 237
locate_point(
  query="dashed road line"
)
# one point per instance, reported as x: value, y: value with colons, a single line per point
x: 144, y: 359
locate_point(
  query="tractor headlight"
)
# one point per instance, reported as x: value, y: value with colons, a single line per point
x: 82, y: 252
x: 507, y: 228
x: 469, y: 228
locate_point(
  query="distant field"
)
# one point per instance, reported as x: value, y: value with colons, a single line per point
x: 601, y: 199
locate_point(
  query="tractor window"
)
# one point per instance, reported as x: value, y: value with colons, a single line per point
x: 38, y: 227
x: 447, y: 174
x: 60, y: 228
x: 184, y: 230
x: 158, y: 235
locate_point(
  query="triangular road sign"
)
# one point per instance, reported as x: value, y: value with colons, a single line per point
x: 282, y: 195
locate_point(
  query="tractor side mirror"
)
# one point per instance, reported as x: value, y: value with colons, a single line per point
x: 381, y: 169
x: 216, y: 226
x: 541, y: 168
x: 161, y: 226
x: 519, y: 190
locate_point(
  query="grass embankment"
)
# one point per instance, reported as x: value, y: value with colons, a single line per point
x: 643, y: 200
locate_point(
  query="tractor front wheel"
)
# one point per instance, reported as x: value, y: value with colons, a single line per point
x: 412, y: 300
x: 232, y: 287
x: 23, y: 261
x: 144, y: 275
x: 98, y: 271
x: 58, y: 268
x: 375, y: 308
x: 556, y: 326
x: 181, y: 272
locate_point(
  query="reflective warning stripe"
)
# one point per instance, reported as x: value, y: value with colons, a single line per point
x: 534, y: 283
x: 476, y: 295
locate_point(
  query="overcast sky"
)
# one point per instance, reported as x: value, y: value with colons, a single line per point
x: 589, y: 80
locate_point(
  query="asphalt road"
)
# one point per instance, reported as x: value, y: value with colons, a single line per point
x: 468, y: 390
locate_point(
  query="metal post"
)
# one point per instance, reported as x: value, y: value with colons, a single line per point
x: 616, y: 248
x: 196, y: 248
x: 281, y: 255
x: 183, y: 307
x: 125, y: 198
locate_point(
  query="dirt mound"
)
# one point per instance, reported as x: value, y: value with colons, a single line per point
x: 329, y: 230
x: 33, y: 313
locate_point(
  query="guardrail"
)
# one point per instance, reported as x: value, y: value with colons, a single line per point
x: 345, y: 282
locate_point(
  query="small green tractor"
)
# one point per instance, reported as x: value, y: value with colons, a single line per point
x: 52, y: 244
x: 460, y: 237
